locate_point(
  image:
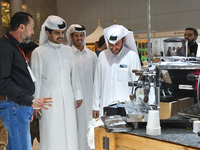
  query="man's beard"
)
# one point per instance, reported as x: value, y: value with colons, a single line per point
x: 191, y: 42
x: 27, y: 39
x: 118, y: 51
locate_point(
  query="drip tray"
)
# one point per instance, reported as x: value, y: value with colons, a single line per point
x: 167, y: 98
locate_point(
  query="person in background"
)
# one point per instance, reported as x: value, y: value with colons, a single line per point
x: 54, y: 66
x: 86, y: 62
x: 169, y: 51
x: 114, y: 68
x: 191, y: 34
x: 182, y: 50
x: 173, y: 52
x: 34, y: 125
x: 96, y: 44
x: 102, y: 45
x: 17, y: 83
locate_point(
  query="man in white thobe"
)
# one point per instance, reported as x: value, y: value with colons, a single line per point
x: 86, y: 62
x: 55, y: 70
x: 114, y: 68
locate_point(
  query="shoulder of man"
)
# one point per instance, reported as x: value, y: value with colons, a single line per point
x: 131, y: 52
x: 90, y: 51
x: 4, y: 40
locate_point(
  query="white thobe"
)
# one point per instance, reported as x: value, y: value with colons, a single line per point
x: 86, y: 63
x: 113, y: 72
x: 57, y: 76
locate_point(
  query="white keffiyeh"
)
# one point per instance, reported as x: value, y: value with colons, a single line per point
x: 114, y: 33
x: 54, y: 23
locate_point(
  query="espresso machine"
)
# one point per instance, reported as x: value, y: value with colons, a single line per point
x: 169, y: 82
x: 144, y: 100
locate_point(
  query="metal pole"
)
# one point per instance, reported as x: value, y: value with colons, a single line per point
x: 149, y: 31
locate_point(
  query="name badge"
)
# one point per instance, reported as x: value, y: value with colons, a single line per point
x: 122, y: 66
x: 31, y: 73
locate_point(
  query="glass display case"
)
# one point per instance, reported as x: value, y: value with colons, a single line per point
x: 175, y: 47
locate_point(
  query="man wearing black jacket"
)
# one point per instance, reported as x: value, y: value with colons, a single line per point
x: 191, y: 35
x: 17, y: 84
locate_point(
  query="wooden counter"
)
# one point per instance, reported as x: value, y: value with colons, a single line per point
x: 129, y: 141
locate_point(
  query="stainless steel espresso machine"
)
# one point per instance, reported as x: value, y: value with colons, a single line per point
x: 183, y: 78
x: 169, y: 86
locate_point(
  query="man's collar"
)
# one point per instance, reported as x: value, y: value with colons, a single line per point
x: 53, y: 44
x: 193, y: 45
x: 13, y: 40
x: 77, y: 50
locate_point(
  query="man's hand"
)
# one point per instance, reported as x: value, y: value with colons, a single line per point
x: 35, y: 112
x: 78, y: 103
x: 31, y: 118
x: 41, y: 102
x: 95, y: 114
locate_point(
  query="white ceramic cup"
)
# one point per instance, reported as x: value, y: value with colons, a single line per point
x: 196, y: 126
x: 153, y: 123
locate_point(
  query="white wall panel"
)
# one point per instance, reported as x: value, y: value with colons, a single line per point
x: 194, y: 19
x: 115, y: 8
x: 154, y: 23
x: 142, y: 24
x: 133, y: 24
x: 86, y: 12
x: 194, y: 4
x: 162, y: 22
x: 183, y: 20
x: 166, y: 15
x: 183, y: 5
x: 107, y: 23
x: 161, y: 7
x: 78, y: 11
x: 153, y: 7
x: 109, y: 9
x: 172, y: 6
x: 172, y: 21
x: 100, y: 10
x: 133, y: 8
x: 142, y: 8
x: 124, y: 9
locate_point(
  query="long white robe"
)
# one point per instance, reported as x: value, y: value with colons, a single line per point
x: 57, y: 76
x: 113, y: 72
x: 86, y: 63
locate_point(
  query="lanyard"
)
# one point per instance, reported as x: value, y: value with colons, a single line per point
x: 20, y: 51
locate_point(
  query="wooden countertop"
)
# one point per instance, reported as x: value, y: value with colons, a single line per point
x: 170, y: 139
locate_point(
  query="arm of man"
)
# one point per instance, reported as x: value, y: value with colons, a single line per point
x: 97, y: 91
x: 37, y: 66
x: 94, y: 65
x: 75, y: 81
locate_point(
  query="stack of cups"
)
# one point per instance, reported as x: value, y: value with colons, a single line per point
x: 153, y: 123
x: 196, y: 126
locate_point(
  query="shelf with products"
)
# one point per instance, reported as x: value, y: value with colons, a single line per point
x: 142, y: 45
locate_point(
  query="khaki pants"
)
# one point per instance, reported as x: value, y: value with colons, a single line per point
x: 3, y: 136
